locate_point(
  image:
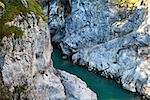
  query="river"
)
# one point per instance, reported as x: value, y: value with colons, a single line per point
x: 106, y: 89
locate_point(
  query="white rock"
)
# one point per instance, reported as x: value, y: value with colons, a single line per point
x: 107, y: 38
x: 27, y: 62
x: 75, y: 88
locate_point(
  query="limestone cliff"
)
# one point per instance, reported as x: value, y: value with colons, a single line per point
x: 26, y: 69
x: 110, y: 37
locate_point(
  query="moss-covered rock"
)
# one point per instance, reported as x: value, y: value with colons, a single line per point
x: 5, y: 94
x: 14, y: 8
x: 4, y: 91
x: 126, y: 3
x: 36, y: 8
x: 6, y: 30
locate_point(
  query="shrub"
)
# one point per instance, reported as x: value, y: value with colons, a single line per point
x: 14, y: 8
x: 6, y: 30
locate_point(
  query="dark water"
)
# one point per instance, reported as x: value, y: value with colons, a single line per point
x: 105, y: 89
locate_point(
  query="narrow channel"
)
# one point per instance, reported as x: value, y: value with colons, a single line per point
x: 105, y: 89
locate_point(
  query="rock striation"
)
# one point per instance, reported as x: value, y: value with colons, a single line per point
x: 108, y: 38
x: 26, y: 68
x: 75, y: 88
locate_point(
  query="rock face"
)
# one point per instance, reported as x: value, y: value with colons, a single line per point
x: 75, y: 88
x: 108, y: 39
x: 26, y: 67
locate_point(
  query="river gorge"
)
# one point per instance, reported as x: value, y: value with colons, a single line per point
x: 106, y: 89
x: 103, y: 49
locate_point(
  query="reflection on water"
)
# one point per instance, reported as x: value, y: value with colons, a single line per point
x: 105, y: 89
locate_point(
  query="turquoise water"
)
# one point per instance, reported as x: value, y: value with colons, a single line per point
x: 105, y: 89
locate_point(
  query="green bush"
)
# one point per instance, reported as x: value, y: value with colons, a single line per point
x: 36, y: 8
x: 14, y: 8
x: 6, y: 30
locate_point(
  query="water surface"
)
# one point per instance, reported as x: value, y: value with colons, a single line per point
x: 105, y: 89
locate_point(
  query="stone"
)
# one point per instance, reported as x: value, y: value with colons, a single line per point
x: 76, y: 88
x: 26, y: 66
x: 112, y: 40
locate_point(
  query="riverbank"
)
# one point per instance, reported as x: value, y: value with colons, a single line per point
x: 108, y: 39
x: 105, y: 89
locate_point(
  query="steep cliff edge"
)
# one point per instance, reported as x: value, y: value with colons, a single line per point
x: 111, y: 38
x: 26, y: 69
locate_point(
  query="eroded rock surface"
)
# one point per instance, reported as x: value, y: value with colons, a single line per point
x: 109, y: 39
x: 26, y: 66
x: 75, y: 88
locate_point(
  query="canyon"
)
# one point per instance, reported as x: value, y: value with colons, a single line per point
x: 26, y: 68
x: 112, y: 39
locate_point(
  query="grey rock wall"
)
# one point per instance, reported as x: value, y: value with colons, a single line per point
x: 111, y: 40
x: 27, y: 69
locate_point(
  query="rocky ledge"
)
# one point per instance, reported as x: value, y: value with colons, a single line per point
x: 111, y: 38
x: 26, y: 69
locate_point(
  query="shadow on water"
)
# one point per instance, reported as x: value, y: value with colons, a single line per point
x: 105, y: 89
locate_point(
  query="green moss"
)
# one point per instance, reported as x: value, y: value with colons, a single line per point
x: 5, y: 94
x: 126, y: 1
x: 19, y: 89
x: 14, y: 8
x: 42, y: 3
x: 45, y: 18
x: 129, y: 3
x: 36, y: 8
x: 6, y: 30
x: 4, y: 91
